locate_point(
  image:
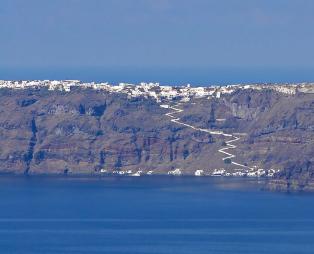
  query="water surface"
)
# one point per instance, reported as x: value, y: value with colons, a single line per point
x: 151, y: 215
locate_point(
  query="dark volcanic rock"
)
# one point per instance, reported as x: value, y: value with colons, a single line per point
x: 84, y: 131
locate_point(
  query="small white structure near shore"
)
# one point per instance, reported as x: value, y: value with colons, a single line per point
x: 199, y: 172
x: 177, y: 171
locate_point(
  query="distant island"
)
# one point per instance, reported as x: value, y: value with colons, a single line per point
x: 72, y: 127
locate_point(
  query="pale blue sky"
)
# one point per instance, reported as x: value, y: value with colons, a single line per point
x: 186, y: 34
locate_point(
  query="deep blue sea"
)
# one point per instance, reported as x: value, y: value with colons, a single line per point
x: 151, y: 215
x: 164, y: 75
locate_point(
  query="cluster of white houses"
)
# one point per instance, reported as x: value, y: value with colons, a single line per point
x: 216, y: 172
x: 155, y: 90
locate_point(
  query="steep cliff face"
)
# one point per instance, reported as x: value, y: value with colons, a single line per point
x: 45, y: 131
x: 296, y: 176
x: 88, y: 131
x: 279, y: 131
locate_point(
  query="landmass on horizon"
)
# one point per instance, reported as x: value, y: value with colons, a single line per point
x: 73, y: 127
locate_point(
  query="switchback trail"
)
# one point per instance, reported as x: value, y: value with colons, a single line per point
x: 224, y: 150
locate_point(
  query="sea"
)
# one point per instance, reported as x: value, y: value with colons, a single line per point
x: 163, y: 75
x: 157, y: 214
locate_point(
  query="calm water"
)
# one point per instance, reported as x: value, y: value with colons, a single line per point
x: 166, y: 75
x: 151, y: 215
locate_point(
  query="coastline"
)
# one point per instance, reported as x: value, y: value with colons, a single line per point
x: 261, y: 183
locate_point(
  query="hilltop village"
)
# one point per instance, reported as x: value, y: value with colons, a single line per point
x: 155, y: 90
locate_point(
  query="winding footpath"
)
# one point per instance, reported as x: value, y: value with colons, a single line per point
x: 224, y: 150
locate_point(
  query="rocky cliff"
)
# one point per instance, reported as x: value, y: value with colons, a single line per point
x: 87, y: 131
x: 45, y: 131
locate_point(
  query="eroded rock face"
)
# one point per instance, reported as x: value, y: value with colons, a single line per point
x: 85, y: 131
x: 279, y: 131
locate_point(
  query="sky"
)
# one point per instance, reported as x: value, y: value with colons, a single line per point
x: 168, y: 40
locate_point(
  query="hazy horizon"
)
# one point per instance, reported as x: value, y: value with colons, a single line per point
x: 175, y: 76
x: 168, y: 41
